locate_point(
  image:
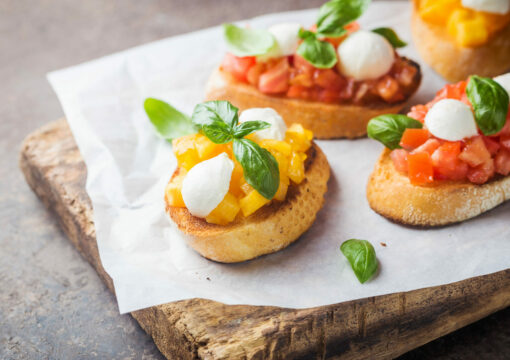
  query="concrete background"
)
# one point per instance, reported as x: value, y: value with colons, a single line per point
x: 52, y: 304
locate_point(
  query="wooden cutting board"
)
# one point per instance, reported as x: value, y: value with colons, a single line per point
x: 378, y: 327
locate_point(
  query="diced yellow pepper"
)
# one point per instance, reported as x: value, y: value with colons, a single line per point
x: 280, y: 146
x: 237, y: 180
x: 252, y: 202
x: 173, y: 190
x: 437, y: 11
x: 225, y: 212
x: 299, y: 138
x: 468, y: 28
x: 185, y: 151
x: 282, y: 189
x: 297, y: 167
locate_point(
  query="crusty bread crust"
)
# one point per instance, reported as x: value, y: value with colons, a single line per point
x: 391, y: 194
x: 327, y: 121
x: 268, y: 230
x: 455, y: 63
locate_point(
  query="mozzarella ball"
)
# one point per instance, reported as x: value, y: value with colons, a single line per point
x: 206, y: 184
x: 277, y: 129
x: 287, y: 39
x: 451, y: 120
x: 504, y: 81
x: 491, y: 6
x: 365, y: 55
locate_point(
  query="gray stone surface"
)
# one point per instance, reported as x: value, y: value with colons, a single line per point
x: 52, y: 304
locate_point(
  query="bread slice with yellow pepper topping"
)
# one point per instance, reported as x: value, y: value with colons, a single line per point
x: 457, y: 41
x: 246, y: 224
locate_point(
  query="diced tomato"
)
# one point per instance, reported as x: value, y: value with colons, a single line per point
x: 481, y: 173
x: 297, y: 92
x: 418, y: 112
x: 328, y: 79
x: 491, y: 145
x: 352, y: 27
x: 405, y: 75
x: 446, y: 162
x: 388, y: 88
x: 302, y: 79
x: 399, y: 158
x: 420, y: 168
x: 328, y: 96
x: 276, y: 79
x: 253, y: 74
x: 412, y: 138
x: 504, y: 140
x: 237, y: 66
x: 302, y: 65
x: 502, y: 162
x: 428, y: 147
x: 452, y: 91
x: 475, y: 152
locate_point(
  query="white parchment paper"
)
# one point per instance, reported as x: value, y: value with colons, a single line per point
x: 148, y: 260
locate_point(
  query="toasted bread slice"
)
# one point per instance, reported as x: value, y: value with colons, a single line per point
x: 268, y: 230
x: 392, y: 195
x: 327, y: 121
x: 456, y: 63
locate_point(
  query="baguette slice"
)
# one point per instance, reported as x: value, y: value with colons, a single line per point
x: 456, y: 63
x: 268, y: 230
x: 391, y: 194
x: 327, y: 121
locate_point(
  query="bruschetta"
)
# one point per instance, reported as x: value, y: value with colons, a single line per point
x: 331, y: 78
x: 245, y: 185
x: 446, y: 161
x: 458, y: 38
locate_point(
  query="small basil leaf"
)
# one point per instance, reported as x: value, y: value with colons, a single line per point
x: 391, y: 36
x: 247, y: 42
x: 218, y: 132
x: 260, y: 168
x: 320, y: 54
x: 335, y: 14
x: 169, y: 122
x: 213, y: 111
x: 305, y: 34
x: 388, y: 129
x: 490, y: 104
x: 361, y: 256
x: 248, y: 127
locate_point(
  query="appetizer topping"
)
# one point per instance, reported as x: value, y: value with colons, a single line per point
x: 236, y: 164
x: 206, y: 184
x: 504, y: 81
x: 286, y: 37
x: 465, y: 137
x: 365, y: 55
x: 361, y: 256
x: 275, y: 131
x: 451, y: 120
x: 490, y: 6
x: 332, y: 62
x: 467, y: 23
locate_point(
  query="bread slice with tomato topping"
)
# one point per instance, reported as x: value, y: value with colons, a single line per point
x: 326, y: 120
x: 455, y: 62
x: 391, y: 194
x: 270, y: 229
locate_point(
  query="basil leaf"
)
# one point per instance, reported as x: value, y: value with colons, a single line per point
x: 388, y: 129
x: 260, y: 168
x: 169, y: 122
x: 247, y: 42
x: 320, y: 54
x: 335, y: 14
x: 218, y: 132
x: 305, y: 34
x: 361, y: 256
x: 210, y: 112
x: 391, y: 36
x: 248, y: 127
x: 490, y: 104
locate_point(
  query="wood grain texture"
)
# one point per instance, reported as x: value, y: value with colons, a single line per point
x: 378, y: 327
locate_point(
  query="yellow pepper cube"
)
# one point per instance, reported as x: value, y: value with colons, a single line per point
x: 437, y: 11
x: 299, y: 138
x: 297, y: 167
x: 185, y: 151
x: 252, y: 202
x: 237, y: 180
x: 280, y: 146
x: 468, y: 28
x: 246, y: 188
x: 282, y: 189
x: 173, y: 191
x: 225, y: 212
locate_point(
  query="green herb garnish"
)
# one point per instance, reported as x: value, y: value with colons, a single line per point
x: 391, y: 36
x: 169, y: 122
x: 361, y: 256
x: 247, y: 42
x: 388, y: 129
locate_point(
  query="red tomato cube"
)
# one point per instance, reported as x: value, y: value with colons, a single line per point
x: 238, y: 66
x: 412, y: 138
x: 420, y: 168
x: 481, y: 173
x: 502, y: 162
x: 428, y: 146
x: 276, y: 79
x: 446, y: 162
x: 475, y: 152
x: 399, y: 158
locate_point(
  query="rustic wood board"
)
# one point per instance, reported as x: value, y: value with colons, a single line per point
x: 378, y: 327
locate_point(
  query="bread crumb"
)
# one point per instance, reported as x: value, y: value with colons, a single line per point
x: 383, y: 244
